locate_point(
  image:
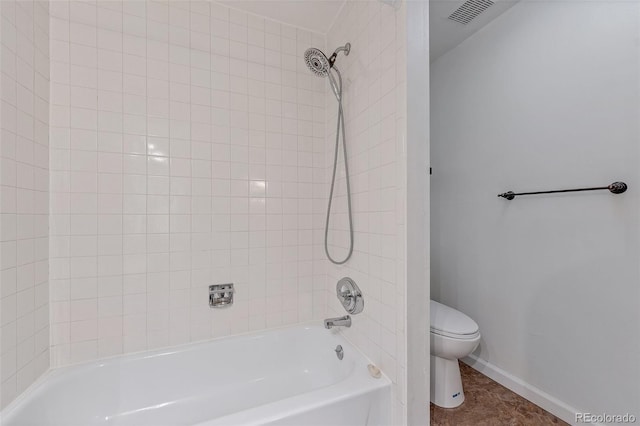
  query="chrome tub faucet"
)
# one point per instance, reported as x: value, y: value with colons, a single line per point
x: 344, y: 321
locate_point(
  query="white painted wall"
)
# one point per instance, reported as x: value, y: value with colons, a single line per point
x: 417, y: 267
x: 545, y: 97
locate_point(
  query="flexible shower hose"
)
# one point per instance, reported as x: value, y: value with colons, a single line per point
x: 337, y: 89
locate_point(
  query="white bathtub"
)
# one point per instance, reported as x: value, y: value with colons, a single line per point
x: 289, y: 376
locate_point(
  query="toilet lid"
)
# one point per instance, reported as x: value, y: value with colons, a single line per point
x: 448, y: 321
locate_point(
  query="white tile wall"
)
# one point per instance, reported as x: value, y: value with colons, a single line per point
x: 24, y: 199
x: 187, y: 148
x: 190, y: 145
x: 375, y: 117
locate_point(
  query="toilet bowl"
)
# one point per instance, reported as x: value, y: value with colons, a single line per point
x: 453, y: 336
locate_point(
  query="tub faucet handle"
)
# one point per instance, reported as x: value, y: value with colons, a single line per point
x: 350, y: 296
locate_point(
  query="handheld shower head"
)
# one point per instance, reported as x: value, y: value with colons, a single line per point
x: 321, y: 66
x: 317, y: 62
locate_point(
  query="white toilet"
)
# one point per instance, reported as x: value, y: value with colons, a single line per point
x: 453, y: 335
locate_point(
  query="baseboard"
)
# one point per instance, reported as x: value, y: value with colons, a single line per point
x: 540, y: 398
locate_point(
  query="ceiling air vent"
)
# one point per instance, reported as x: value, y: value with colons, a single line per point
x: 469, y: 10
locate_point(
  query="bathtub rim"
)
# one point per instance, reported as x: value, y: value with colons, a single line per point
x: 54, y: 372
x: 297, y: 404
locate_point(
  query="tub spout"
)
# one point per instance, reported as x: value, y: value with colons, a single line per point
x: 344, y: 321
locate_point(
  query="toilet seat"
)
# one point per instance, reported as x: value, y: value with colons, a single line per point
x: 451, y: 323
x: 456, y: 336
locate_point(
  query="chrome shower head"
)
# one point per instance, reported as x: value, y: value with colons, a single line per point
x: 317, y: 62
x: 321, y: 66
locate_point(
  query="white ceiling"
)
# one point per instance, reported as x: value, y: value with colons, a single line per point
x: 445, y: 34
x: 319, y: 15
x: 314, y: 15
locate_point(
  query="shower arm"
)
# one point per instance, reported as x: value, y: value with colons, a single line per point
x: 346, y: 49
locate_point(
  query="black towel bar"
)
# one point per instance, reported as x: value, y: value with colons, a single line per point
x: 615, y: 188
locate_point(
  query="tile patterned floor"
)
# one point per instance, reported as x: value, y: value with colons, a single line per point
x: 488, y: 403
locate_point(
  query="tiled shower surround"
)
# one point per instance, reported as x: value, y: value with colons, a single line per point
x: 374, y: 77
x: 187, y: 149
x: 189, y: 145
x: 24, y: 198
